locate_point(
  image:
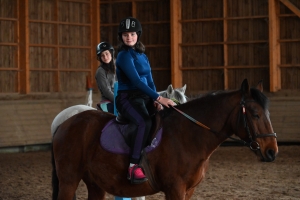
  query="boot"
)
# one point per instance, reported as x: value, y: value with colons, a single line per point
x: 136, y: 175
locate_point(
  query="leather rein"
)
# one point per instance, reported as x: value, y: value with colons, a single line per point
x: 253, y: 145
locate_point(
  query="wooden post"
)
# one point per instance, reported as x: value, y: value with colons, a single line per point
x: 57, y: 86
x: 225, y: 46
x: 274, y: 46
x: 176, y: 39
x: 24, y: 84
x: 95, y: 37
x: 133, y: 9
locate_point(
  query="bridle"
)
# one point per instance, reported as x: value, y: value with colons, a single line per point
x: 253, y: 145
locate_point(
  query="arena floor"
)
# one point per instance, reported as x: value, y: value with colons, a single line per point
x: 234, y: 173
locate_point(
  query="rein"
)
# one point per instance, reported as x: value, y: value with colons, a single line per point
x: 253, y: 145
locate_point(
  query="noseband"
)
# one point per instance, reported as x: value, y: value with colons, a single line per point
x: 253, y: 145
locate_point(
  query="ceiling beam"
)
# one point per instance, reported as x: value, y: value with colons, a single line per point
x: 291, y: 6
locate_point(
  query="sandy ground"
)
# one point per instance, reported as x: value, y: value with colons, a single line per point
x: 234, y: 173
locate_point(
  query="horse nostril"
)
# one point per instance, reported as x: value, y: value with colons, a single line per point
x: 270, y: 155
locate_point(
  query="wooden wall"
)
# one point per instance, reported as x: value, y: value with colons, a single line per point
x: 155, y: 36
x: 47, y: 48
x: 9, y: 46
x: 49, y: 45
x: 225, y: 41
x: 289, y: 39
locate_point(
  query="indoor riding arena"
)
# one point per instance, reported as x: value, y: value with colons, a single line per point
x: 48, y: 63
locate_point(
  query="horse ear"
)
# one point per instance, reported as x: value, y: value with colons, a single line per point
x: 260, y: 86
x: 182, y: 90
x: 170, y: 89
x: 245, y: 86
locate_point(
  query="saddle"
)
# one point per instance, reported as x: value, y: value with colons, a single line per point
x: 115, y: 137
x: 115, y: 140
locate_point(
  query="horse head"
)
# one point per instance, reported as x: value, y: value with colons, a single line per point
x: 254, y: 125
x: 177, y: 94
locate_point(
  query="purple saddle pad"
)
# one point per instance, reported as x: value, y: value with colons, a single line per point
x: 112, y: 138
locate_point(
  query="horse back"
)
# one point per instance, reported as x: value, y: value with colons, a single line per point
x: 78, y: 134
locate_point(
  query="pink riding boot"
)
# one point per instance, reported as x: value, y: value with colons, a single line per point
x: 136, y: 174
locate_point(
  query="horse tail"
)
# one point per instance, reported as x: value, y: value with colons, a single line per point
x: 55, y: 181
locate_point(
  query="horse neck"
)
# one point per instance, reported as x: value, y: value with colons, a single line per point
x: 217, y: 114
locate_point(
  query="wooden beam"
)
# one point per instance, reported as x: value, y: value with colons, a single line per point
x: 291, y: 6
x: 57, y: 86
x: 16, y: 54
x: 225, y: 46
x: 133, y: 9
x: 24, y: 84
x: 176, y: 39
x: 274, y: 46
x: 95, y: 38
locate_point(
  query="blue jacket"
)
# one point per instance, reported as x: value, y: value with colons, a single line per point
x: 134, y: 73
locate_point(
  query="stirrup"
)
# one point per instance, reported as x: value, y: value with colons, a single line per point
x: 131, y: 177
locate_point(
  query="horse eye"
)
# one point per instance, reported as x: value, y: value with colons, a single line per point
x: 256, y: 116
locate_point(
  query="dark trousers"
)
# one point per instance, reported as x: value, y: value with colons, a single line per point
x: 137, y: 108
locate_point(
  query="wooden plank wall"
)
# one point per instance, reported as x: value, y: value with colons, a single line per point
x: 48, y: 45
x: 224, y: 42
x: 155, y: 36
x: 60, y: 43
x: 9, y: 46
x: 28, y: 122
x: 289, y: 40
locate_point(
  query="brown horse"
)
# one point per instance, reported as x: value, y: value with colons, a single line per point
x: 178, y: 163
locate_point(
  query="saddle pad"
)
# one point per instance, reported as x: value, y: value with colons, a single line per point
x: 112, y: 138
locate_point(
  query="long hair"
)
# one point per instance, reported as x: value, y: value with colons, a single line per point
x: 108, y: 67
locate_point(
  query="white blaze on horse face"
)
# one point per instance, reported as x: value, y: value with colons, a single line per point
x: 267, y: 113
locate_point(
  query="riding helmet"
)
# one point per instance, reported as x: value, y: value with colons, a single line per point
x: 103, y: 46
x: 130, y: 24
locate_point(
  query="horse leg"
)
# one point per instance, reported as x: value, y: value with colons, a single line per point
x: 175, y: 196
x: 95, y: 192
x: 189, y: 193
x: 175, y: 193
x: 55, y: 182
x: 67, y: 191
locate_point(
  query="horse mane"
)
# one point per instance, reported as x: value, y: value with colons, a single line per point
x: 260, y: 98
x: 208, y: 97
x: 256, y: 94
x: 193, y: 102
